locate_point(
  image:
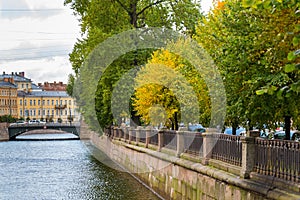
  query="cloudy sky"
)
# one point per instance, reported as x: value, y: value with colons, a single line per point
x: 37, y: 36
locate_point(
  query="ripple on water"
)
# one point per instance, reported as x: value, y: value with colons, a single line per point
x: 61, y: 170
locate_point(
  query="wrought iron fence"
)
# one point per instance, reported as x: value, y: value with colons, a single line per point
x: 154, y: 137
x: 193, y: 142
x: 169, y: 139
x: 278, y: 158
x: 228, y: 148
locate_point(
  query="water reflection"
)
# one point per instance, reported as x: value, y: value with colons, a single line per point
x: 62, y: 170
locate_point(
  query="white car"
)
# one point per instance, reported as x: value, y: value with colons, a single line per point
x: 34, y: 121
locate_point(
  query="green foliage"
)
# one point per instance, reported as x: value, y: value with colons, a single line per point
x: 7, y: 118
x: 251, y: 48
x: 101, y: 19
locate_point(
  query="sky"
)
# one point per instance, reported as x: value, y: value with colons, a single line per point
x: 36, y: 37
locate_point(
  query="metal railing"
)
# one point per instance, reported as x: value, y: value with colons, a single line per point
x: 169, y: 139
x: 193, y: 142
x: 228, y: 148
x: 278, y: 158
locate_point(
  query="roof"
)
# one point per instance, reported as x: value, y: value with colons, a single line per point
x: 44, y: 94
x: 35, y: 87
x: 16, y: 77
x: 4, y: 84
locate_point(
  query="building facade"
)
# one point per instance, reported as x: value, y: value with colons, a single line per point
x: 8, y: 98
x: 29, y: 101
x: 50, y: 106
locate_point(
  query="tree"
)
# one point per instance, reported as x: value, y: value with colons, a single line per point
x: 286, y: 85
x: 250, y: 48
x: 171, y: 83
x: 101, y: 19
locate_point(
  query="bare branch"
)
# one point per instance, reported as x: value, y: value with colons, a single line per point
x: 149, y: 6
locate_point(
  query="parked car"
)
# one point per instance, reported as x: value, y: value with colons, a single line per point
x: 239, y: 131
x: 19, y: 122
x: 294, y: 135
x: 33, y: 121
x: 196, y: 128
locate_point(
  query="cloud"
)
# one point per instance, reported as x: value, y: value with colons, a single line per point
x: 15, y: 9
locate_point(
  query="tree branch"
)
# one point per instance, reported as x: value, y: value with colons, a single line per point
x: 149, y: 6
x: 123, y: 6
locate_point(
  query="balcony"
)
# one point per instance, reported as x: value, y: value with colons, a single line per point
x: 60, y: 107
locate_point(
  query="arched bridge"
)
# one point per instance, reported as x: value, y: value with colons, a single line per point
x: 14, y: 131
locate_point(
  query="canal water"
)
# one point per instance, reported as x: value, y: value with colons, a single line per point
x: 62, y: 169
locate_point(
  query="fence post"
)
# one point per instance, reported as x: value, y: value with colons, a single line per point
x: 114, y: 135
x: 209, y: 141
x: 248, y: 153
x: 138, y: 134
x: 148, y: 135
x: 125, y: 129
x: 130, y: 134
x: 161, y: 138
x: 180, y: 141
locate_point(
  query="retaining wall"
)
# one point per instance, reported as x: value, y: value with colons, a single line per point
x: 176, y: 178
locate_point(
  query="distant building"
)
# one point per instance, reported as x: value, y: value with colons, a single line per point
x: 22, y: 83
x: 22, y: 98
x: 8, y: 98
x: 60, y: 86
x: 48, y: 106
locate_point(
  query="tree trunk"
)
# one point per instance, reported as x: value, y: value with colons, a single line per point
x: 287, y: 127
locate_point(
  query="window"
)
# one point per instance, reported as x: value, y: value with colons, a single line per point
x: 21, y: 112
x: 39, y: 102
x: 66, y: 112
x: 52, y: 102
x: 43, y: 102
x: 56, y: 102
x: 48, y: 102
x: 70, y: 102
x: 60, y: 102
x: 66, y: 102
x: 30, y: 102
x: 34, y: 102
x: 20, y: 101
x: 25, y: 102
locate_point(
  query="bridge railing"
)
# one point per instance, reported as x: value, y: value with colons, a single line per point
x: 246, y: 154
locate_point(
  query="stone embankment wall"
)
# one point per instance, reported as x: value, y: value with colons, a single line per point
x: 176, y: 178
x: 4, y: 132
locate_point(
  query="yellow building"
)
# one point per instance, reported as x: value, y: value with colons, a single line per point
x: 8, y: 98
x: 50, y: 106
x: 24, y: 99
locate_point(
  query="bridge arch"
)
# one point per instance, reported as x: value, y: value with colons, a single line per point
x: 15, y: 131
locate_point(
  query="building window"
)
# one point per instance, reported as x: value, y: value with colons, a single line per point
x: 21, y: 112
x: 52, y: 112
x: 39, y: 112
x: 43, y: 102
x: 30, y: 102
x: 60, y: 102
x: 48, y: 102
x: 34, y: 102
x: 52, y: 102
x: 66, y: 112
x: 20, y: 101
x: 56, y: 102
x: 66, y: 102
x: 25, y: 102
x: 70, y: 102
x: 39, y: 102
